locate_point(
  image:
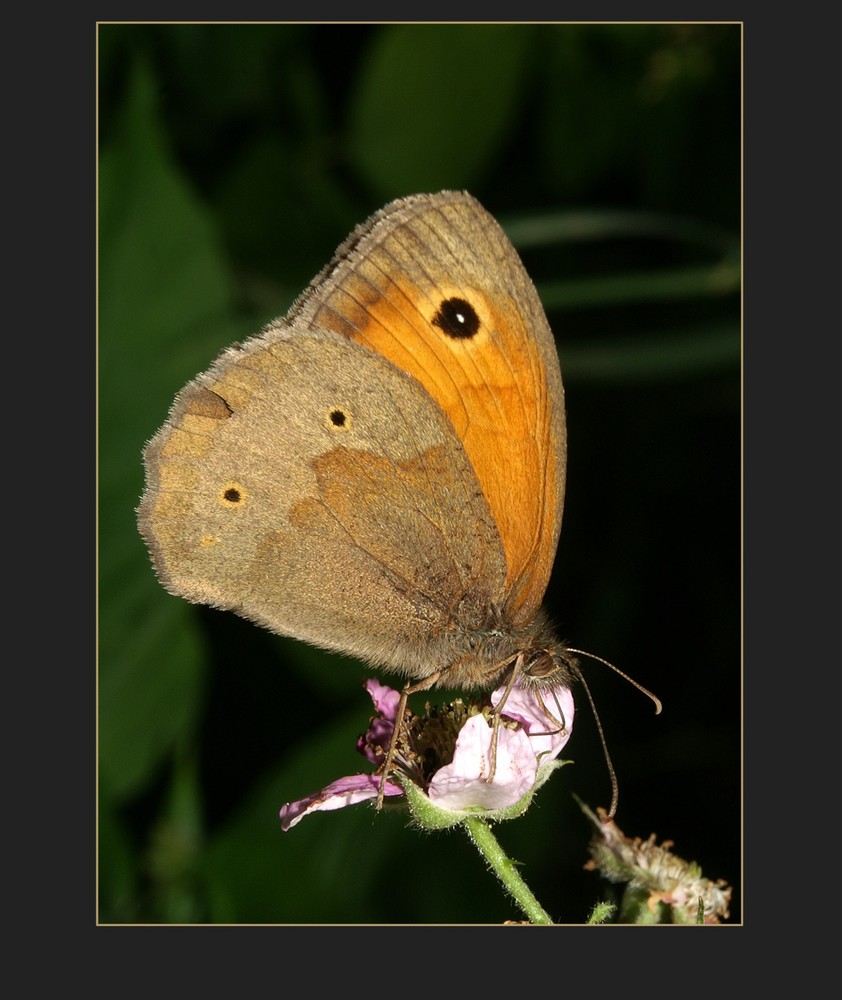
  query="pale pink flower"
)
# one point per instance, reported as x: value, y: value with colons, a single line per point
x: 535, y: 726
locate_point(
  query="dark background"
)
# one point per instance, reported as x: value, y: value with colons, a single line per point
x: 233, y: 159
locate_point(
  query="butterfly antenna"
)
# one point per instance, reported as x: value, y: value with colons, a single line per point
x: 581, y: 652
x: 631, y: 680
x: 611, y: 773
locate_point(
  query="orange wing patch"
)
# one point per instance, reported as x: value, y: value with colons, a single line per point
x: 491, y: 383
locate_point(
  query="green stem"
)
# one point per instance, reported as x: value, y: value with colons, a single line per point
x: 505, y: 869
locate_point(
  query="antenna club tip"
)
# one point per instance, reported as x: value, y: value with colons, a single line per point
x: 658, y: 706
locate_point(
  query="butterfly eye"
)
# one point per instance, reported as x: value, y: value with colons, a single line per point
x: 541, y: 664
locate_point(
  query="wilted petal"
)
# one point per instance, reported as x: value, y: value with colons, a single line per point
x: 344, y: 792
x: 463, y: 784
x: 385, y: 699
x: 382, y: 726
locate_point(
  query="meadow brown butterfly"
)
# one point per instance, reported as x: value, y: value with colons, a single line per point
x: 381, y: 471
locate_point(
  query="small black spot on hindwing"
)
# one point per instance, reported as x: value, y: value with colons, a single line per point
x: 233, y: 495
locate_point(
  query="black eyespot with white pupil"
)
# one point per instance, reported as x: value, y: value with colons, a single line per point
x: 457, y: 318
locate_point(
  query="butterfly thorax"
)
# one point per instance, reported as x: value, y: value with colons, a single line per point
x: 485, y: 658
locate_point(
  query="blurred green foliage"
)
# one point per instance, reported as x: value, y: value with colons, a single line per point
x: 233, y: 160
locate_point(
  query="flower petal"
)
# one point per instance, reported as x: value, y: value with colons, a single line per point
x: 374, y: 743
x: 344, y: 792
x: 463, y: 785
x: 385, y: 699
x: 529, y: 706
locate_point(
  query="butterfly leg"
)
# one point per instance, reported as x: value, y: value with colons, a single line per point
x: 498, y: 711
x: 397, y: 732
